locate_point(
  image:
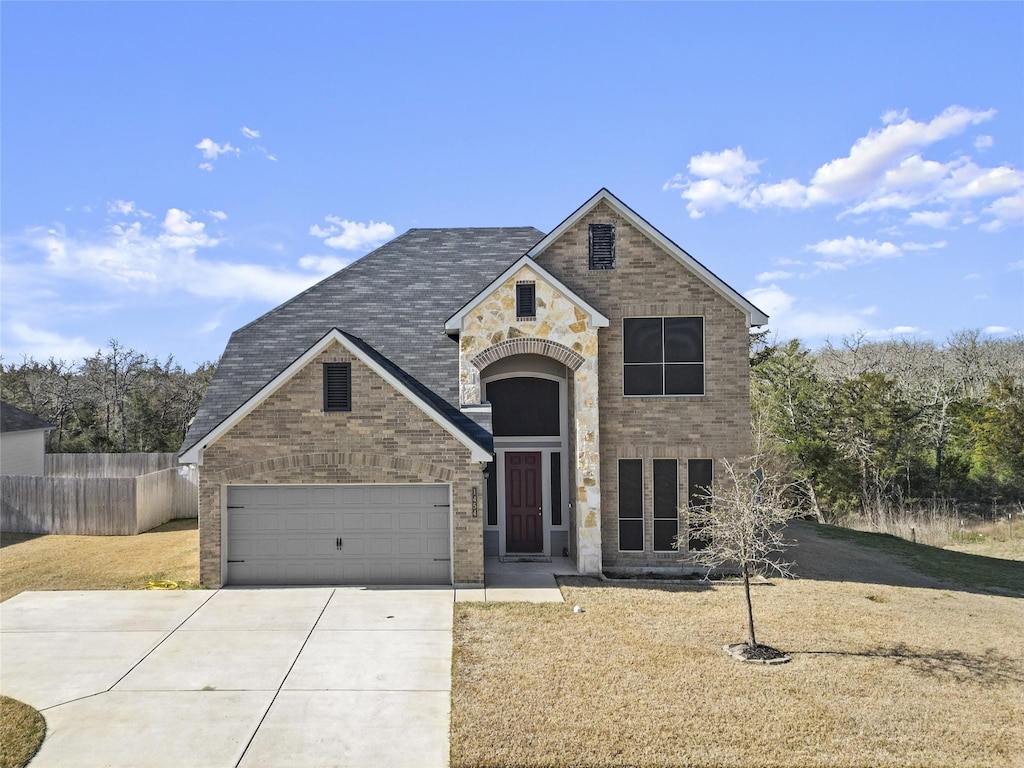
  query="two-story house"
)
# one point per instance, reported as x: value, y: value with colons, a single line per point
x: 462, y: 393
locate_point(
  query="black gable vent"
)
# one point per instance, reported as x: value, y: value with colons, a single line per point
x: 337, y: 387
x: 526, y: 300
x: 602, y: 246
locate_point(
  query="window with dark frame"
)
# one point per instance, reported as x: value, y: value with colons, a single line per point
x: 662, y: 356
x: 526, y: 300
x: 492, y: 494
x: 631, y: 505
x: 666, y: 504
x: 556, y: 488
x: 602, y: 246
x: 337, y: 387
x: 699, y: 476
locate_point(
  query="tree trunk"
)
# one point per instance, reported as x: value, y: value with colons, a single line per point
x: 751, y: 637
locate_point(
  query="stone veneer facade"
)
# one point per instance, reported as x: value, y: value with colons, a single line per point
x: 384, y: 439
x: 648, y: 282
x: 563, y: 331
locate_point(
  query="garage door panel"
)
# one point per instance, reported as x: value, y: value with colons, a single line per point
x: 353, y: 521
x: 395, y: 534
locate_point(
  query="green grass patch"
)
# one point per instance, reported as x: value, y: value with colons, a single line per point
x: 990, y: 574
x: 21, y: 732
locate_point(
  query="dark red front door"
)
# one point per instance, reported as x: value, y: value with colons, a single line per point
x: 524, y: 518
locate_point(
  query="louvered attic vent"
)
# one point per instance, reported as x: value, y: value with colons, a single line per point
x: 602, y: 246
x: 337, y: 387
x: 526, y: 300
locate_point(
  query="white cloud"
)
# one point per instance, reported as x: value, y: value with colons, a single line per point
x: 218, y: 215
x: 266, y: 154
x: 42, y: 344
x: 884, y: 170
x: 897, y: 330
x: 791, y: 319
x: 996, y: 330
x: 346, y: 235
x: 972, y: 276
x: 850, y: 251
x: 729, y: 166
x: 323, y: 264
x: 126, y: 208
x: 1013, y: 266
x: 1005, y: 211
x: 722, y: 178
x: 767, y: 277
x: 984, y: 142
x: 136, y: 260
x: 924, y: 246
x: 212, y: 150
x: 934, y: 219
x: 250, y: 133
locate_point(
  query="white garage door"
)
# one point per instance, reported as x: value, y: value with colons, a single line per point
x: 338, y: 534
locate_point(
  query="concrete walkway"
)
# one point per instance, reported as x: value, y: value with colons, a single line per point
x: 237, y: 677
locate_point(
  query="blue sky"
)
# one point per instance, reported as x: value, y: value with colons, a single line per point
x: 170, y: 171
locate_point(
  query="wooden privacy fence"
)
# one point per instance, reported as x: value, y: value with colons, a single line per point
x: 90, y: 504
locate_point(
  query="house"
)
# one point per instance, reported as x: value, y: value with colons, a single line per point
x: 22, y: 441
x: 462, y: 393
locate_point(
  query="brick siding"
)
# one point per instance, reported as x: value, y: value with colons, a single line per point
x: 384, y: 439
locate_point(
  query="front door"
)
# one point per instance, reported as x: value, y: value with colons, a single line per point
x: 524, y: 515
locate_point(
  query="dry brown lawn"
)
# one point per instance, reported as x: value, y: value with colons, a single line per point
x: 32, y: 562
x: 890, y: 668
x: 21, y: 732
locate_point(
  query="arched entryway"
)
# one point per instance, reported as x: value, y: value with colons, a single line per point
x: 528, y: 510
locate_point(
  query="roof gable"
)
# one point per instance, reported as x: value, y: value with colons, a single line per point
x: 754, y: 315
x: 454, y: 323
x: 365, y: 354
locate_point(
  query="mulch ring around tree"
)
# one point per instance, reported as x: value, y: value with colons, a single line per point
x: 758, y: 654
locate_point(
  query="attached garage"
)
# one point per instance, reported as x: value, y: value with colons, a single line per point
x: 338, y: 534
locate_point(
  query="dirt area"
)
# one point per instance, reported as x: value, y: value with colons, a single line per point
x: 34, y: 562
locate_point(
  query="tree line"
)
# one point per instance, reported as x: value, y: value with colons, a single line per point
x: 118, y: 400
x: 859, y: 424
x: 851, y: 425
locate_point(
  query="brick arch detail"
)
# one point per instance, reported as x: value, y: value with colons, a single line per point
x: 383, y: 463
x: 528, y: 346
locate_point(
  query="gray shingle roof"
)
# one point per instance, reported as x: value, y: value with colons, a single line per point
x: 395, y: 300
x: 13, y: 419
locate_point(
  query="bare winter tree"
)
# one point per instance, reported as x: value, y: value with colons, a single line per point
x: 743, y: 521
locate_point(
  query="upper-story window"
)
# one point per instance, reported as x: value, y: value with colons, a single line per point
x: 663, y: 356
x: 337, y: 387
x: 526, y: 300
x: 602, y: 246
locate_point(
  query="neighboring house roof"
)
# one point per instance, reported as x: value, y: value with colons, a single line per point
x: 13, y: 419
x: 598, y: 320
x: 754, y: 315
x: 456, y: 424
x: 394, y: 301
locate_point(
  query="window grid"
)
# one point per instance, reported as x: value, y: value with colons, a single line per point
x: 666, y: 504
x: 668, y: 368
x: 631, y: 505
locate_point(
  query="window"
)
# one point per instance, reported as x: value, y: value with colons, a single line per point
x: 526, y: 301
x: 666, y: 504
x: 602, y: 246
x: 663, y: 356
x: 556, y: 488
x: 492, y: 494
x: 337, y: 387
x: 631, y: 505
x: 698, y: 481
x: 524, y: 406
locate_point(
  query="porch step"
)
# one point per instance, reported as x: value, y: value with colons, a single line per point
x: 524, y: 559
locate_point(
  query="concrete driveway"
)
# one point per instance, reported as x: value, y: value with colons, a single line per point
x: 237, y: 677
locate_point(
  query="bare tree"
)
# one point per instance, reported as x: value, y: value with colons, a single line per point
x: 743, y: 521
